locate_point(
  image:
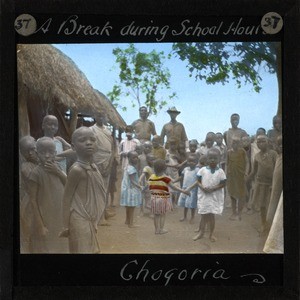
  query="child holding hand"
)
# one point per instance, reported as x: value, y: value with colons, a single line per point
x: 131, y: 195
x: 211, y: 182
x: 159, y: 185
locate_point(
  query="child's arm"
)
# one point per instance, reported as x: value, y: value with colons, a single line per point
x: 33, y: 192
x: 216, y: 187
x: 254, y: 171
x: 193, y: 185
x: 142, y: 178
x: 176, y: 188
x: 53, y: 168
x: 65, y: 144
x: 134, y: 183
x: 177, y: 179
x: 75, y: 176
x: 66, y: 154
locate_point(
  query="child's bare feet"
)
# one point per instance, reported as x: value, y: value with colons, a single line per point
x: 157, y: 232
x: 182, y: 219
x: 213, y: 238
x: 198, y: 236
x: 197, y: 230
x: 163, y: 231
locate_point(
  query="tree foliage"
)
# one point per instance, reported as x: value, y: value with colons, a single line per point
x: 218, y: 62
x: 142, y: 76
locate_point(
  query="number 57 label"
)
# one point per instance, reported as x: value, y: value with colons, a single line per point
x: 25, y: 24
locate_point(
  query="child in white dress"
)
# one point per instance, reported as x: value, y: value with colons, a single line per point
x: 211, y: 182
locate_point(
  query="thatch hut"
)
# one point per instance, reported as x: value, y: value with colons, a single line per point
x: 49, y: 82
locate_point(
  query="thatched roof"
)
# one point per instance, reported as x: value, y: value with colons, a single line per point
x: 50, y: 74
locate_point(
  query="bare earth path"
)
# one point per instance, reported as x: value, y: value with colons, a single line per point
x: 232, y: 236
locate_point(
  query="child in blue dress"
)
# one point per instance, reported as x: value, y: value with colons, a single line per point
x: 189, y: 175
x: 131, y: 195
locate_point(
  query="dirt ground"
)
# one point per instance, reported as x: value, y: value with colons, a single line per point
x: 232, y: 236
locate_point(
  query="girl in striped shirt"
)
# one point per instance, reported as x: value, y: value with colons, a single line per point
x: 159, y: 185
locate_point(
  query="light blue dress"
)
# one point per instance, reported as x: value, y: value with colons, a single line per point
x: 189, y: 177
x: 130, y: 195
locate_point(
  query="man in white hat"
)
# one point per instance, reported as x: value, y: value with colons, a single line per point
x: 173, y: 128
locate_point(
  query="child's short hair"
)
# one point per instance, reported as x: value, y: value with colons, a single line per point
x: 24, y: 142
x: 214, y: 150
x: 129, y: 128
x: 78, y: 131
x: 156, y: 138
x: 159, y: 165
x: 193, y: 142
x: 45, y: 119
x: 42, y: 140
x: 131, y: 153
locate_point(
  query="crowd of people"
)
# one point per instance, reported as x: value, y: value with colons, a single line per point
x: 68, y: 190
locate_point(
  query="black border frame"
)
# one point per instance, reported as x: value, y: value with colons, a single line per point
x: 9, y: 162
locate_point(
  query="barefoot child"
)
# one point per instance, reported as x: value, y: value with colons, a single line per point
x: 84, y: 196
x: 236, y: 174
x: 211, y: 181
x: 130, y: 189
x: 30, y: 161
x: 143, y: 181
x: 263, y: 168
x: 189, y: 175
x: 46, y: 188
x: 159, y: 185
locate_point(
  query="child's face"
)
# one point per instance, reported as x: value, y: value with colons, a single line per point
x: 212, y: 159
x: 129, y: 135
x: 219, y: 139
x: 29, y: 152
x: 209, y: 141
x: 46, y: 152
x: 50, y: 126
x: 150, y: 160
x: 193, y: 148
x: 133, y: 159
x: 191, y: 162
x: 139, y: 149
x: 262, y: 143
x: 85, y: 143
x: 155, y: 144
x: 147, y: 148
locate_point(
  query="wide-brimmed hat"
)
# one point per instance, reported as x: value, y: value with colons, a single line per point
x: 173, y: 110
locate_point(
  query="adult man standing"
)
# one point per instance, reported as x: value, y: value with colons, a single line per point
x: 143, y: 127
x: 105, y: 152
x: 173, y: 128
x: 234, y: 131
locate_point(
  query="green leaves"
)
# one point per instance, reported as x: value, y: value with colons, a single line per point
x: 218, y: 62
x: 141, y: 76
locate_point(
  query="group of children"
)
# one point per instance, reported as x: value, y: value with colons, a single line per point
x: 55, y: 205
x: 200, y: 178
